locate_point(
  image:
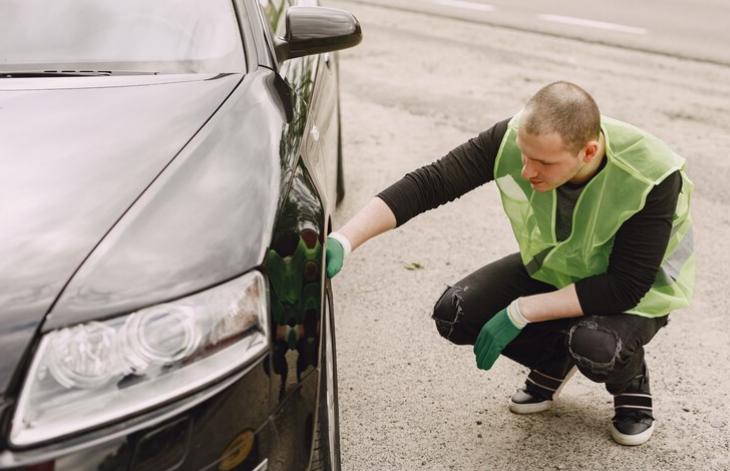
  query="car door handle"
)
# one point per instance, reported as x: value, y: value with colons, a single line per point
x: 327, y: 59
x: 315, y: 133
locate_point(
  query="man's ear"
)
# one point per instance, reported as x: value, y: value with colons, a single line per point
x: 591, y: 150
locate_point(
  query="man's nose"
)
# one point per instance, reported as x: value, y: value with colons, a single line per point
x: 528, y: 171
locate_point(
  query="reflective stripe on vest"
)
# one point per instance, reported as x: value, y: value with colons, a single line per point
x: 636, y: 163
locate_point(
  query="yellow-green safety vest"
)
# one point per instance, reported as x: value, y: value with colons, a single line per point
x: 636, y: 163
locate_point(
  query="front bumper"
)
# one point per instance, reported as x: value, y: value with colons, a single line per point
x: 226, y: 427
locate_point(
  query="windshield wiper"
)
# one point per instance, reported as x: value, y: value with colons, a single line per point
x: 70, y: 73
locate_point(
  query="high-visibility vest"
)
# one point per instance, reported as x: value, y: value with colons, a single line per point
x: 636, y: 162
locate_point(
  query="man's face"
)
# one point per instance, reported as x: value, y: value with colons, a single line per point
x: 546, y: 163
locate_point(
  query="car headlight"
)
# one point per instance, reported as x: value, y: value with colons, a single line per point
x: 94, y: 373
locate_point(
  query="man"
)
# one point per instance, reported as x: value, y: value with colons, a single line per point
x: 600, y: 210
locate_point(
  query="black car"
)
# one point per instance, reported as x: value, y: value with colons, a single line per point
x: 167, y: 173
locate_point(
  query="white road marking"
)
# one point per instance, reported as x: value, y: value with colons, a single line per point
x: 467, y: 5
x: 592, y: 24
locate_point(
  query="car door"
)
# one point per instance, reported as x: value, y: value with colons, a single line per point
x: 294, y: 261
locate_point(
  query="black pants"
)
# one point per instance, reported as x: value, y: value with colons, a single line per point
x: 606, y: 349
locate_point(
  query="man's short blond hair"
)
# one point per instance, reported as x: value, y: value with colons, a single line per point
x: 567, y: 109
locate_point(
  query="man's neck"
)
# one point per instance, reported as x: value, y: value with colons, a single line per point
x: 591, y: 168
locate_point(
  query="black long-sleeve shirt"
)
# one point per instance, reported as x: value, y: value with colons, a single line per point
x: 638, y: 248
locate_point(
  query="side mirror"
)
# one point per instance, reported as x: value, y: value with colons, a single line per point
x: 315, y: 30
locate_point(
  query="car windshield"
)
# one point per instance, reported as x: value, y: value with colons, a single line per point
x: 119, y: 36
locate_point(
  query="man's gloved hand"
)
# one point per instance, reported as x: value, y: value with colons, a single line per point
x: 496, y: 334
x: 338, y: 247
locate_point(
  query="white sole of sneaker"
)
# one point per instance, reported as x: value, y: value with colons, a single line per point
x: 540, y: 406
x: 631, y: 440
x: 529, y: 408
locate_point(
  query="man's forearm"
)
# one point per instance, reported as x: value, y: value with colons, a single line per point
x: 373, y: 219
x: 559, y: 304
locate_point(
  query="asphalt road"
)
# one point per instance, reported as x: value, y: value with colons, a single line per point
x: 418, y: 86
x: 696, y: 29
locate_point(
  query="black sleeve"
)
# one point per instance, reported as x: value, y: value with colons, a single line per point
x: 636, y: 255
x: 460, y: 171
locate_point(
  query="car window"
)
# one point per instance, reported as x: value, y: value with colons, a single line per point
x: 164, y: 36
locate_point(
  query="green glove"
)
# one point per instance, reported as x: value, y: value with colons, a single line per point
x: 338, y: 247
x: 494, y: 336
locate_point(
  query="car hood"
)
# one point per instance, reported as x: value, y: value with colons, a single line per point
x: 75, y: 154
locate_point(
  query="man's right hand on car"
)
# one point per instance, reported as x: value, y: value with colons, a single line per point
x: 338, y: 247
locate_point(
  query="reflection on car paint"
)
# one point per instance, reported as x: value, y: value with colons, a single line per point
x: 293, y: 265
x: 238, y: 455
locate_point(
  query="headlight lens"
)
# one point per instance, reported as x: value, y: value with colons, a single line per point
x: 94, y: 373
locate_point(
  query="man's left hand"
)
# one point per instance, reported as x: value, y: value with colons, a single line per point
x: 494, y: 337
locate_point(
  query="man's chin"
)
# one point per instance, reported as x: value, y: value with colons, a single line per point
x: 540, y: 187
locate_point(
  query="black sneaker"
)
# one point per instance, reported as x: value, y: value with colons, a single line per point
x: 538, y: 393
x: 633, y: 421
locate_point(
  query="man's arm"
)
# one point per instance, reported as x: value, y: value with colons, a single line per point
x: 464, y: 168
x: 633, y: 266
x: 559, y: 304
x: 372, y: 220
x: 461, y: 170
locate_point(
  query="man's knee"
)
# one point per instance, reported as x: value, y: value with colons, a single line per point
x: 597, y: 351
x: 447, y: 313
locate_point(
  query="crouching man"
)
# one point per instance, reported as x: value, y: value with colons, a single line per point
x: 600, y: 211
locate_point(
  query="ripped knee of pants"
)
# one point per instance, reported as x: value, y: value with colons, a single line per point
x: 594, y: 348
x: 447, y: 311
